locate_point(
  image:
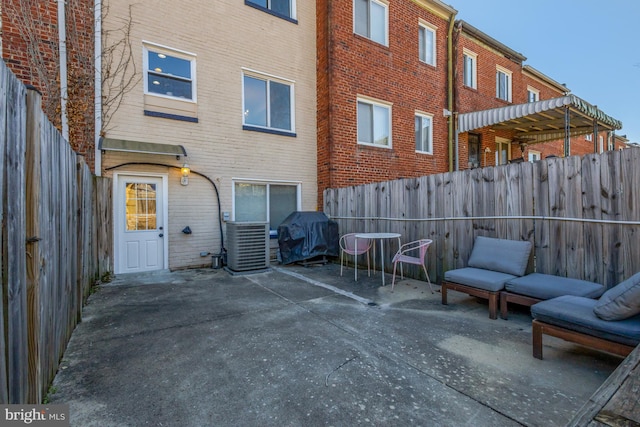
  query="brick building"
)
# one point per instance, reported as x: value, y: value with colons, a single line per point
x: 489, y: 76
x: 31, y: 48
x: 382, y: 80
x: 405, y: 90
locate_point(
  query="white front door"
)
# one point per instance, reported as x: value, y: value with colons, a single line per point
x: 140, y: 210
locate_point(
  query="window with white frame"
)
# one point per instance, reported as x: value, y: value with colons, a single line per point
x: 533, y: 94
x: 424, y: 133
x: 503, y: 84
x: 601, y: 143
x: 374, y: 123
x: 469, y: 71
x: 427, y: 43
x: 285, y: 8
x: 267, y: 103
x: 268, y: 202
x: 371, y: 20
x: 169, y: 72
x: 534, y: 156
x: 588, y: 137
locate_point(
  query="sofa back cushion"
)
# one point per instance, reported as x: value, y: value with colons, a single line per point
x: 505, y: 256
x: 620, y: 302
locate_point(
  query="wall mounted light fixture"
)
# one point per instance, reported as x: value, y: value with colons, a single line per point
x: 185, y: 170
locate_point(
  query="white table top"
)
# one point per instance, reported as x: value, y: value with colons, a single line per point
x: 377, y: 235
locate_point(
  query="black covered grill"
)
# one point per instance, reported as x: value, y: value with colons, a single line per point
x: 303, y: 236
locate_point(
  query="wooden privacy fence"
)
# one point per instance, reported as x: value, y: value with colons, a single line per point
x: 582, y: 214
x: 52, y: 252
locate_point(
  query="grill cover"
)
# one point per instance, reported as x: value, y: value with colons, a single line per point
x: 306, y: 235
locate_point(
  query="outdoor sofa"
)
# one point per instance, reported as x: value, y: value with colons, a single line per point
x: 535, y: 287
x: 492, y: 263
x: 496, y: 272
x: 611, y: 323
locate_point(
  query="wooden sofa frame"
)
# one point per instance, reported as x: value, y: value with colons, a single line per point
x: 506, y: 297
x: 493, y: 297
x: 541, y: 328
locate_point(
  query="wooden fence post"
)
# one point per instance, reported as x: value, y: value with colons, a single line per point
x: 14, y: 249
x: 34, y: 258
x: 4, y: 339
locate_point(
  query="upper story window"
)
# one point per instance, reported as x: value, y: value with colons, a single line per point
x: 470, y: 72
x: 533, y: 95
x: 503, y: 84
x: 282, y: 8
x: 427, y: 43
x: 371, y: 20
x: 374, y: 123
x: 424, y: 133
x: 169, y: 72
x: 267, y: 103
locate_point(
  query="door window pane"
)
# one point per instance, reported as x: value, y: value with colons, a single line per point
x: 474, y: 150
x: 140, y: 206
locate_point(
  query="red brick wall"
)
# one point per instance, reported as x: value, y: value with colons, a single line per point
x: 356, y: 66
x: 484, y: 97
x: 30, y: 50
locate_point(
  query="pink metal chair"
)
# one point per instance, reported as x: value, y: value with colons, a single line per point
x: 348, y: 245
x: 418, y: 251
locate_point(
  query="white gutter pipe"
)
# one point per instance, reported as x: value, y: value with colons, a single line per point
x: 98, y: 85
x: 62, y: 41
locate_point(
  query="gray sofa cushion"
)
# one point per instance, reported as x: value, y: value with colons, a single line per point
x: 576, y: 314
x: 547, y: 286
x: 620, y: 302
x: 505, y: 256
x: 479, y: 278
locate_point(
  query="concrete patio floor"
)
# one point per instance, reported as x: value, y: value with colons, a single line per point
x: 302, y: 346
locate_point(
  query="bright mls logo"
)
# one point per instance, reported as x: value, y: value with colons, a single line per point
x: 35, y: 415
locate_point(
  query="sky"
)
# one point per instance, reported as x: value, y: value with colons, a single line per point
x: 593, y: 46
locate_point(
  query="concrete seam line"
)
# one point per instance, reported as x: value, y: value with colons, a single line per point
x: 324, y: 285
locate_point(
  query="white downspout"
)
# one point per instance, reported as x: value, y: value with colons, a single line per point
x: 98, y: 84
x: 62, y: 40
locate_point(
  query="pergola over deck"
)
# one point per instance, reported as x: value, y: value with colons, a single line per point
x: 548, y: 120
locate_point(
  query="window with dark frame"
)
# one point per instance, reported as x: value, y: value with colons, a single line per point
x: 283, y: 8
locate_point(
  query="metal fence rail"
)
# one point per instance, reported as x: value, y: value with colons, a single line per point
x: 582, y: 214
